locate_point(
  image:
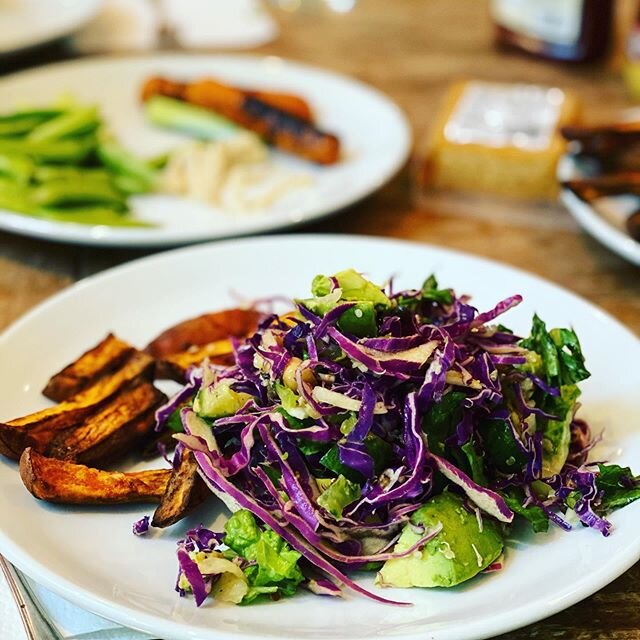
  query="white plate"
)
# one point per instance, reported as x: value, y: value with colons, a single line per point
x: 89, y: 555
x: 28, y: 23
x: 606, y: 222
x: 375, y: 139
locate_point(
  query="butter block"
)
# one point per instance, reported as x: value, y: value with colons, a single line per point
x: 500, y: 139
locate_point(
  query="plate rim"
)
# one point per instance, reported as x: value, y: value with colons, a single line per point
x: 128, y: 616
x: 592, y: 222
x: 71, y: 233
x: 90, y: 10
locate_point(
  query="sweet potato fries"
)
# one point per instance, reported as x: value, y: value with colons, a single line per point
x: 69, y: 483
x: 106, y: 413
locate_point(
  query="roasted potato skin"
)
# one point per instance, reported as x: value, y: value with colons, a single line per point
x: 106, y: 410
x: 176, y: 365
x: 66, y: 482
x: 185, y: 491
x: 107, y: 356
x: 199, y: 331
x: 116, y: 430
x: 38, y: 429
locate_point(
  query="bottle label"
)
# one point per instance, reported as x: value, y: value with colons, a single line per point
x: 501, y: 115
x: 555, y: 21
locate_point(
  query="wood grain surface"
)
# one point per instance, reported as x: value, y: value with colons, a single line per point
x: 412, y: 50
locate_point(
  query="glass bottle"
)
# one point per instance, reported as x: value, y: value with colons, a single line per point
x: 567, y: 30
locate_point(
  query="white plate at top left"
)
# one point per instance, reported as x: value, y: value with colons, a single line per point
x: 29, y: 23
x: 374, y: 134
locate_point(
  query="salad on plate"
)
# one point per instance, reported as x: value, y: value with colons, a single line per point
x: 396, y: 432
x: 399, y: 433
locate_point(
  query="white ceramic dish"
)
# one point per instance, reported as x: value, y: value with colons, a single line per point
x: 375, y: 139
x: 605, y: 222
x: 28, y: 23
x: 89, y: 555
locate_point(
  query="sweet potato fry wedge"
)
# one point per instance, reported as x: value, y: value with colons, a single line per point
x: 185, y: 491
x: 69, y: 483
x: 38, y: 429
x: 204, y: 329
x: 114, y: 430
x: 176, y: 365
x: 105, y: 357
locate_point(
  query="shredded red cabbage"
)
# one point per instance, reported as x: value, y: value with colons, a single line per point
x: 140, y: 527
x: 434, y: 396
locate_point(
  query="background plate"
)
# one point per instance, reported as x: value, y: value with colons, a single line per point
x: 28, y: 23
x: 374, y: 133
x: 89, y: 555
x: 605, y: 223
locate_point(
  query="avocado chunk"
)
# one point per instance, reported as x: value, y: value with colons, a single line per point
x: 353, y: 287
x: 460, y: 551
x: 219, y: 400
x: 556, y: 434
x: 360, y: 319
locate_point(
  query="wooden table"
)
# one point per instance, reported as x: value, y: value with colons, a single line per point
x: 412, y: 50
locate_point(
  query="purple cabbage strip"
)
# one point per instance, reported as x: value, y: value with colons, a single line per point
x: 140, y: 527
x: 308, y: 315
x: 486, y: 499
x: 412, y: 484
x: 312, y: 349
x: 391, y: 325
x: 541, y: 384
x: 392, y: 344
x: 277, y: 357
x: 585, y: 483
x: 534, y: 463
x: 296, y: 463
x: 526, y: 409
x: 397, y: 367
x: 202, y: 539
x: 502, y: 307
x: 554, y: 517
x: 365, y: 416
x: 184, y: 395
x: 464, y: 430
x: 322, y: 587
x: 355, y: 455
x: 291, y: 481
x: 508, y: 359
x: 435, y: 378
x: 200, y: 587
x: 330, y: 318
x: 240, y: 459
x: 307, y: 396
x: 296, y: 542
x: 316, y: 432
x: 297, y: 332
